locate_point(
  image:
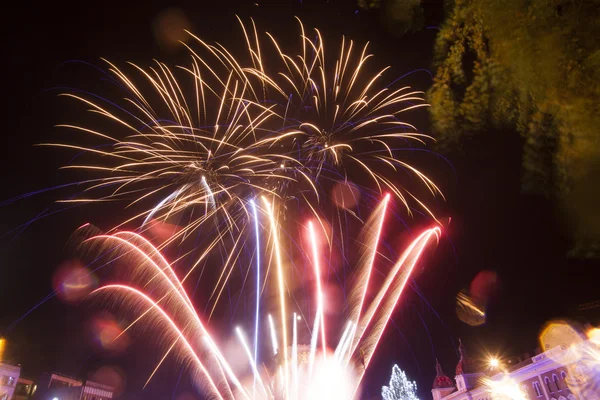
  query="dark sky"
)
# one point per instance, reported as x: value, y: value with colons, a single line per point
x: 493, y: 225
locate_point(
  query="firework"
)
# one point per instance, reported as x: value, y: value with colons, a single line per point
x: 157, y: 296
x: 194, y: 159
x: 194, y: 143
x: 224, y: 150
x: 187, y: 149
x: 346, y: 123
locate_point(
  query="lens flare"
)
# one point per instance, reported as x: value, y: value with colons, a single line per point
x: 505, y: 388
x: 73, y: 281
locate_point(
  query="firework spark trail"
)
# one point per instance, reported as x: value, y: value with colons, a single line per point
x: 256, y: 232
x: 173, y: 285
x: 125, y: 239
x: 193, y: 164
x: 365, y: 270
x: 162, y: 203
x: 411, y: 256
x: 347, y: 343
x: 295, y: 357
x: 273, y: 335
x: 225, y: 365
x: 206, y: 142
x: 250, y: 358
x: 281, y: 287
x: 211, y: 195
x: 190, y: 351
x: 314, y: 337
x: 335, y: 115
x: 400, y: 264
x: 340, y: 349
x: 320, y: 300
x: 176, y: 311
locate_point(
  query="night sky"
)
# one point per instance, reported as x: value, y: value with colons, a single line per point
x: 493, y: 225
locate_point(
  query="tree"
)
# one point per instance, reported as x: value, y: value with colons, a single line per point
x: 400, y: 387
x: 531, y: 66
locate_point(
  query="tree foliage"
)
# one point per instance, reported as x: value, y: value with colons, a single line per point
x: 531, y: 66
x: 400, y: 387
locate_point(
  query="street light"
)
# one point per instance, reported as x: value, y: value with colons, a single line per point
x: 2, y: 346
x: 593, y: 334
x: 493, y: 362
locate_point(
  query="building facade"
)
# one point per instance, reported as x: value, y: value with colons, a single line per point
x: 55, y: 386
x: 25, y: 389
x: 9, y: 375
x: 557, y: 374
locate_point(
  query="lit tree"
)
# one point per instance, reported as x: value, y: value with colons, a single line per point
x: 400, y: 387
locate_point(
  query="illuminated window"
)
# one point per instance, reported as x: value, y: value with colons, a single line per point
x: 547, y: 382
x: 555, y: 380
x: 536, y: 387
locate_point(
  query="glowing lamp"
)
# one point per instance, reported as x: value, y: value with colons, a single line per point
x: 493, y: 363
x: 2, y: 346
x: 593, y: 334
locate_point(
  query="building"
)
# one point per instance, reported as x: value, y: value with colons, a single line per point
x: 9, y: 375
x: 55, y: 386
x: 557, y: 374
x: 25, y: 389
